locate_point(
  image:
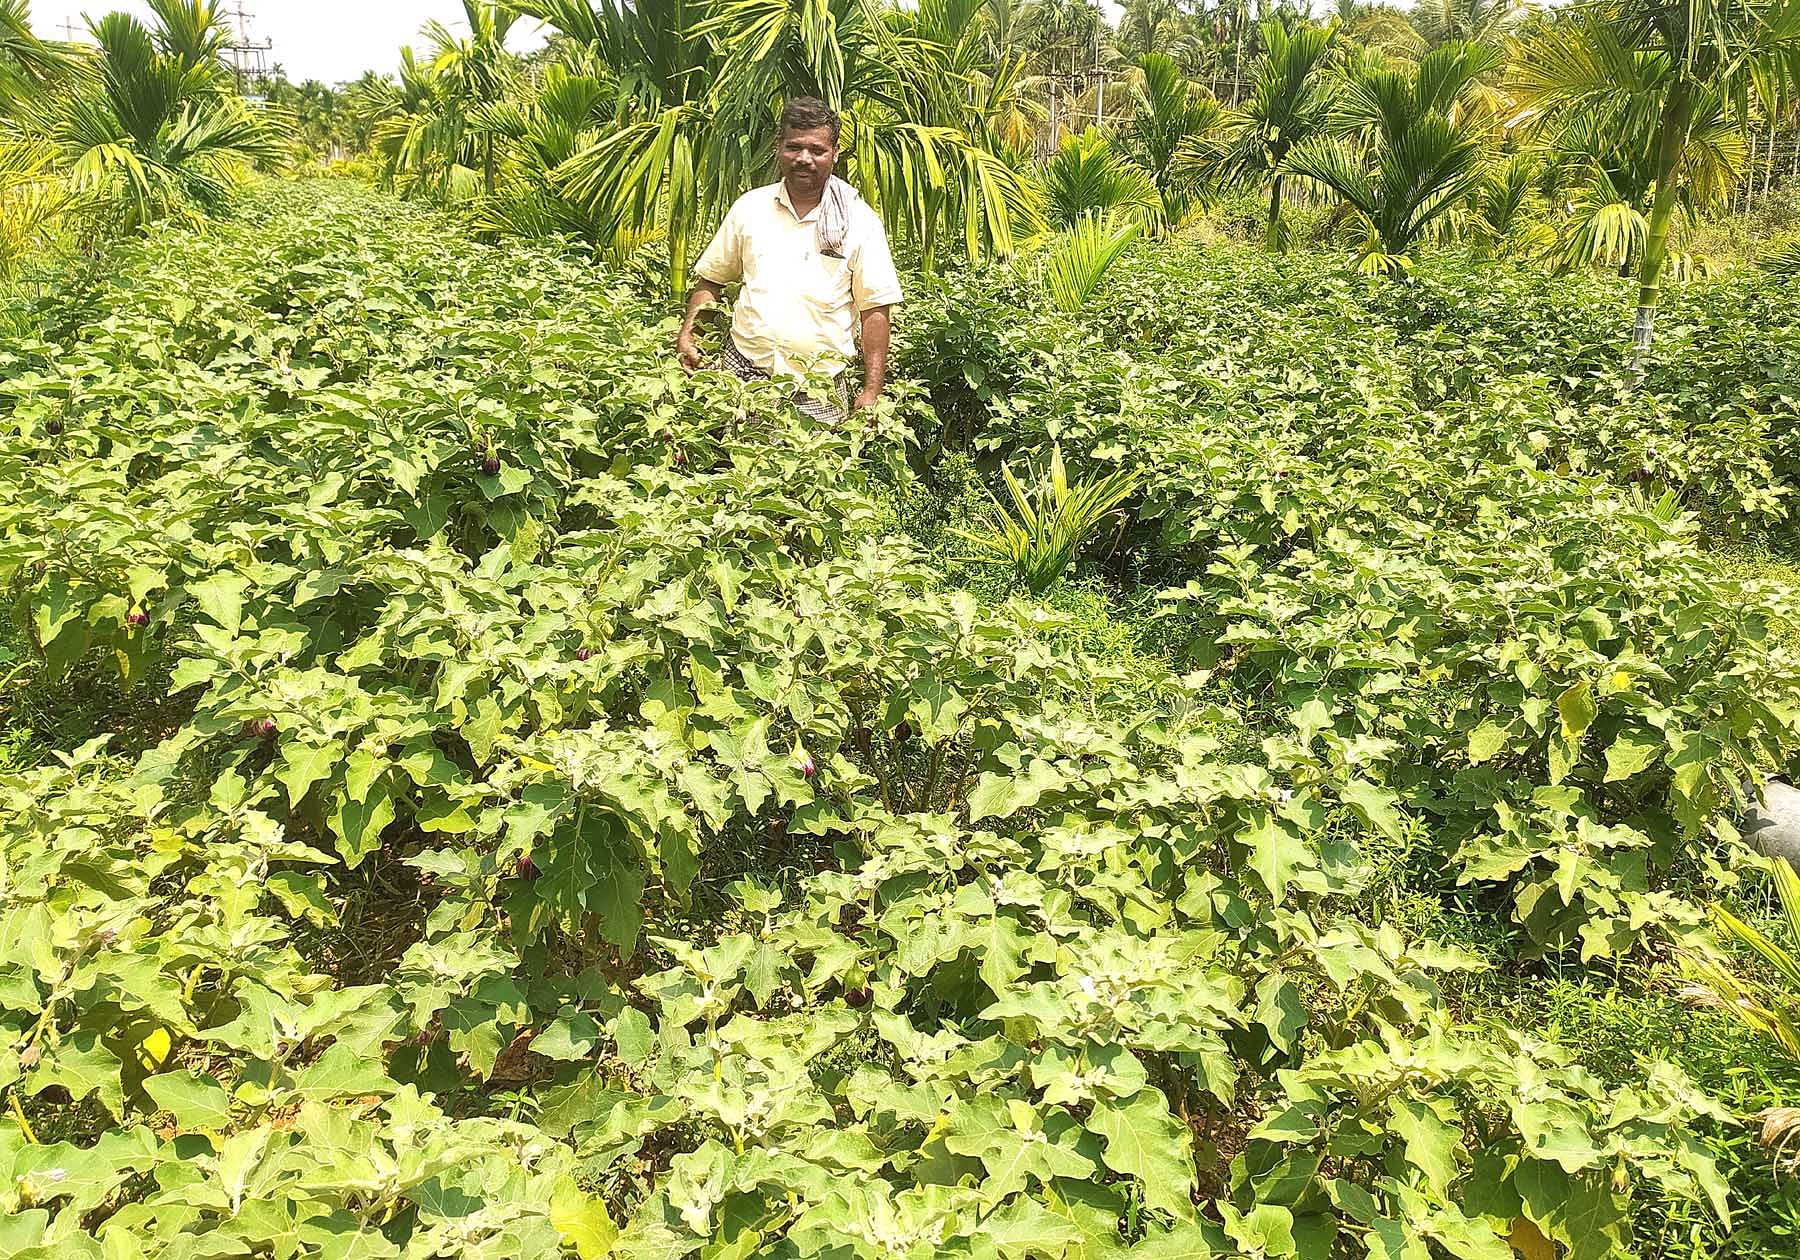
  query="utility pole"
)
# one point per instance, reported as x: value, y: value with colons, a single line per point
x: 248, y: 58
x: 1099, y: 73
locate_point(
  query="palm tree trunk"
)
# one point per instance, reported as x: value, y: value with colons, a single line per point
x: 1237, y: 62
x: 488, y: 165
x: 1672, y: 136
x: 1272, y: 236
x: 678, y: 259
x: 1769, y: 156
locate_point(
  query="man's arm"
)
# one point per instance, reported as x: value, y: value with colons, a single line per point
x: 706, y: 297
x: 877, y: 323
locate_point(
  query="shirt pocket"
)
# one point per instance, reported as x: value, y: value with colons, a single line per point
x: 829, y: 286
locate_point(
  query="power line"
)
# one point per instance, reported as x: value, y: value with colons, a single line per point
x: 248, y: 57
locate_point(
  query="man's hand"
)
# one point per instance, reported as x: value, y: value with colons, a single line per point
x: 703, y: 301
x: 865, y: 398
x: 687, y: 351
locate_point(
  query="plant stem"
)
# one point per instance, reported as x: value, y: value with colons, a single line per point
x: 12, y: 1097
x: 1672, y: 137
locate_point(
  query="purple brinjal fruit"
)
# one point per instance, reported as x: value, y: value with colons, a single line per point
x: 584, y: 653
x: 527, y: 868
x: 491, y: 465
x: 858, y: 997
x: 53, y: 427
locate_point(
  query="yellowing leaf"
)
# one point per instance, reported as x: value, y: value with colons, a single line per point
x: 1529, y: 1241
x: 153, y: 1050
x: 1487, y: 740
x: 1577, y: 709
x: 582, y: 1221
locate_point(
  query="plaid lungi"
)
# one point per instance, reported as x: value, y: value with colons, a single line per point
x: 831, y: 410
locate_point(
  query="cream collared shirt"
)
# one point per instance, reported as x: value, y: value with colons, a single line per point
x: 797, y: 310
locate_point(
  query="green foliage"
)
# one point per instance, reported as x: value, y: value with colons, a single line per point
x: 1290, y: 102
x: 692, y: 124
x: 1327, y: 515
x: 1049, y: 522
x: 1168, y: 112
x: 149, y: 128
x: 1772, y: 1009
x: 576, y: 824
x: 1076, y: 260
x: 1657, y: 99
x: 1089, y: 177
x: 1422, y: 156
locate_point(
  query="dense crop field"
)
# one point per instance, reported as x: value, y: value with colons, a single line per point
x: 467, y: 789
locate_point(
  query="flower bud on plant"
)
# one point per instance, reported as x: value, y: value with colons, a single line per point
x: 260, y: 728
x: 584, y: 653
x: 680, y: 458
x: 808, y: 766
x: 137, y: 617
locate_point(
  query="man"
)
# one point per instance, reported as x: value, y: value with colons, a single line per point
x: 815, y: 269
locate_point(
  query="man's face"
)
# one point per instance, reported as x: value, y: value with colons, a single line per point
x: 807, y: 158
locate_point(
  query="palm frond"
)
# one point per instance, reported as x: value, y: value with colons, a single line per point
x: 1771, y: 1008
x: 1077, y: 260
x: 1047, y: 523
x: 1089, y: 176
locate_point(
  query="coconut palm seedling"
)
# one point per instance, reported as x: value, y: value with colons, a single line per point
x: 1049, y: 522
x: 1769, y: 1007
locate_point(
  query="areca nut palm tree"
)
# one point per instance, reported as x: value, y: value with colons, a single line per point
x: 1089, y: 176
x: 1408, y: 153
x: 704, y: 81
x: 1290, y: 101
x: 145, y: 132
x: 1169, y: 111
x: 476, y: 70
x: 1648, y: 69
x: 27, y: 64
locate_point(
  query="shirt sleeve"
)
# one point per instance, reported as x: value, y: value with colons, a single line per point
x: 873, y: 280
x: 723, y: 261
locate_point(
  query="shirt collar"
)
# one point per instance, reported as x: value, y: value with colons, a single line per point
x: 782, y: 200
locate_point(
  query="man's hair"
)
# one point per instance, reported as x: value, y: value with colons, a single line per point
x: 808, y: 113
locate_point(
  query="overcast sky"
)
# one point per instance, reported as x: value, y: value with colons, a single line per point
x: 332, y: 40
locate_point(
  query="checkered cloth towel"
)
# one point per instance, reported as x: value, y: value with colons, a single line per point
x: 834, y: 409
